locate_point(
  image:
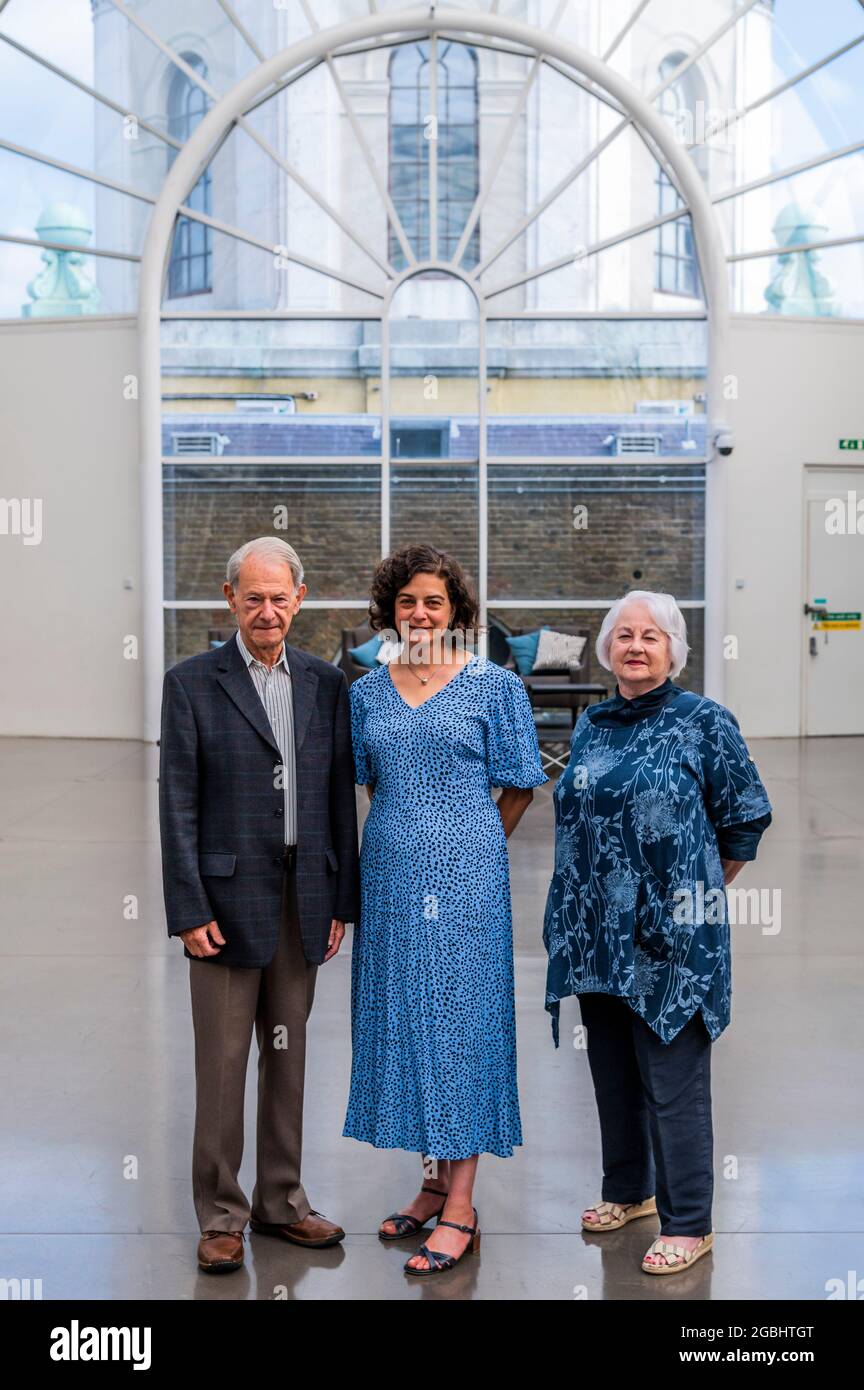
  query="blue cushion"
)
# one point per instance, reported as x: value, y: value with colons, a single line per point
x: 368, y: 653
x: 524, y: 650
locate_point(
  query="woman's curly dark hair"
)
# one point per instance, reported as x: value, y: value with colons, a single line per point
x: 398, y: 569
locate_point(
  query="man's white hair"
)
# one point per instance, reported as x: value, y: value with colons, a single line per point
x: 666, y: 614
x: 273, y: 549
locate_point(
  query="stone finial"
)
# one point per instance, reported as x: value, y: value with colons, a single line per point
x: 797, y: 286
x: 62, y: 287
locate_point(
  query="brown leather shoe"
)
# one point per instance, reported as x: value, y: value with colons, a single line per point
x: 220, y: 1251
x: 314, y: 1230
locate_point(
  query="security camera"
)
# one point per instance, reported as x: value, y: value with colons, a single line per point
x: 724, y: 442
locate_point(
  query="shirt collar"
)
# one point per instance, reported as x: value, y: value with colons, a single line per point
x: 619, y: 710
x: 249, y: 658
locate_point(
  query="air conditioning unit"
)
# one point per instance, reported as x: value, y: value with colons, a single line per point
x: 201, y: 445
x: 663, y: 408
x: 286, y: 405
x: 637, y: 444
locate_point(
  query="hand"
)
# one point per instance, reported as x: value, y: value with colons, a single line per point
x: 732, y: 868
x: 199, y: 940
x: 337, y: 932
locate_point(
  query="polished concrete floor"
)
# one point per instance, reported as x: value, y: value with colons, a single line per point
x: 97, y: 1071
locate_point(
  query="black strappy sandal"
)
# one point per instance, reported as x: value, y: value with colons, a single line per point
x: 407, y: 1225
x: 438, y: 1261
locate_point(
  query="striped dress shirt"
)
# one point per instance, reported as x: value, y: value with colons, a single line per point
x: 274, y: 688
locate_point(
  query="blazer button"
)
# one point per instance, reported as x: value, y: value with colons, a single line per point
x: 278, y: 863
x: 280, y: 811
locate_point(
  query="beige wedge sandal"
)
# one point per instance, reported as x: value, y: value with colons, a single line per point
x: 677, y: 1257
x: 611, y: 1215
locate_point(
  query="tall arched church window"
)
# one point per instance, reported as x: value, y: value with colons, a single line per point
x: 190, y: 270
x: 458, y: 148
x: 675, y: 267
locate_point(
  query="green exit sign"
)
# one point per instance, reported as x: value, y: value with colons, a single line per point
x: 851, y: 443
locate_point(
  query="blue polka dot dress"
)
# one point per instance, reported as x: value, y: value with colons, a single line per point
x: 433, y: 1017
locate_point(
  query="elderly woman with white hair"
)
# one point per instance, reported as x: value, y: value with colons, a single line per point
x: 658, y: 809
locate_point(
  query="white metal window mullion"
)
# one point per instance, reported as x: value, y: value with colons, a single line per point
x: 797, y: 247
x: 41, y: 244
x: 249, y: 238
x: 433, y: 148
x: 675, y: 215
x: 498, y: 160
x: 483, y: 479
x: 371, y: 164
x: 738, y: 115
x: 623, y: 32
x: 242, y: 30
x: 384, y: 378
x: 789, y: 172
x: 350, y: 316
x: 91, y: 92
x: 89, y: 175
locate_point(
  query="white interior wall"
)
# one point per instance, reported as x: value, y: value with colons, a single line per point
x: 799, y: 391
x: 69, y: 436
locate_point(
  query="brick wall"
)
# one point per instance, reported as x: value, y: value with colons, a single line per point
x: 646, y: 533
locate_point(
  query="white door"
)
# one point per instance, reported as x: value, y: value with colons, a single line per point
x: 833, y: 632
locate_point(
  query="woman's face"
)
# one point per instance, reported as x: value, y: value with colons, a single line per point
x: 424, y: 605
x: 639, y: 649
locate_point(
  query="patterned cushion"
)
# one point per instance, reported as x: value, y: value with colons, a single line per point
x: 558, y: 651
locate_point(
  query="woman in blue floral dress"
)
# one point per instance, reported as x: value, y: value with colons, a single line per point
x: 433, y: 1017
x: 658, y: 809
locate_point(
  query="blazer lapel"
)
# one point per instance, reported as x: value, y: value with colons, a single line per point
x: 304, y: 689
x: 235, y: 679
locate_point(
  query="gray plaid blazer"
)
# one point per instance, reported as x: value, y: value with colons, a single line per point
x: 221, y: 808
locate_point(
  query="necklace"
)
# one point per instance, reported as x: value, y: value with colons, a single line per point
x: 424, y: 680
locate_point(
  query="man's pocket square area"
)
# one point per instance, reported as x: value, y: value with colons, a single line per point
x: 217, y: 865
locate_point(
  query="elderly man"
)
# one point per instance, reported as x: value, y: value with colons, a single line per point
x: 260, y: 871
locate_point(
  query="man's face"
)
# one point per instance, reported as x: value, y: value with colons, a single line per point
x: 264, y: 602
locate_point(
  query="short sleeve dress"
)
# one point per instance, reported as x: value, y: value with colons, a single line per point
x: 432, y: 988
x: 637, y: 906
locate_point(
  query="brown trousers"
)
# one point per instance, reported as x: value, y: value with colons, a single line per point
x: 226, y: 1002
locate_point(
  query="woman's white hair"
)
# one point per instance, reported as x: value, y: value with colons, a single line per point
x: 273, y: 549
x: 666, y: 614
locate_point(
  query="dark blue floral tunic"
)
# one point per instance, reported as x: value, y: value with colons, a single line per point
x: 656, y: 790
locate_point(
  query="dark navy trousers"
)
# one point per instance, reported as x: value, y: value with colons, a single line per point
x: 654, y: 1103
